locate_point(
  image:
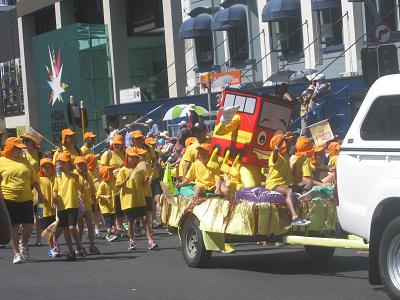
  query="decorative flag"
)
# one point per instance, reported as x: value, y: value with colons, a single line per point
x: 168, y: 179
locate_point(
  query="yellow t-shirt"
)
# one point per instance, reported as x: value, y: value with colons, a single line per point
x: 112, y: 159
x: 302, y: 167
x: 46, y: 186
x: 106, y: 189
x: 180, y: 167
x: 33, y: 160
x: 150, y: 156
x: 86, y: 150
x: 95, y: 176
x: 86, y: 190
x: 73, y: 151
x: 279, y: 173
x: 190, y: 154
x: 202, y: 176
x: 132, y: 193
x: 67, y: 188
x: 18, y: 177
x: 332, y: 161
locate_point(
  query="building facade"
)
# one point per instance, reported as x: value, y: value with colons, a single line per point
x: 164, y: 46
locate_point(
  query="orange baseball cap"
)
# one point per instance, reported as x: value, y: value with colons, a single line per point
x: 118, y: 139
x: 88, y: 134
x: 189, y: 141
x: 64, y: 156
x: 150, y: 141
x: 80, y: 160
x: 12, y: 142
x: 137, y: 134
x: 131, y: 151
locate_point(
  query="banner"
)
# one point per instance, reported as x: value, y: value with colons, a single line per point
x: 220, y: 80
x: 321, y: 132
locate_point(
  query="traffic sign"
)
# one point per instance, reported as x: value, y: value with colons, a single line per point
x: 382, y: 33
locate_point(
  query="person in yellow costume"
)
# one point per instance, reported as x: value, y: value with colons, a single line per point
x: 114, y: 157
x: 93, y: 169
x: 280, y: 176
x: 87, y: 195
x: 250, y: 175
x: 88, y: 142
x: 47, y: 174
x: 17, y: 178
x: 333, y: 151
x: 131, y: 180
x: 105, y: 196
x: 68, y: 145
x: 200, y: 133
x: 205, y: 179
x: 302, y: 168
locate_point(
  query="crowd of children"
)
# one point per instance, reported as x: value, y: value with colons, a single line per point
x: 75, y: 191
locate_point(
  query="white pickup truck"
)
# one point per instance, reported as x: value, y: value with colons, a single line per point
x: 368, y: 181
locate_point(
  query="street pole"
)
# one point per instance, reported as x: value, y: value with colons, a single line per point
x: 208, y: 82
x: 71, y: 109
x: 82, y: 109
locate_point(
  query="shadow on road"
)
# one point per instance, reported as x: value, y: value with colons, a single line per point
x: 291, y: 263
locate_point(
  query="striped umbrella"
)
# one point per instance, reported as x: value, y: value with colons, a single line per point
x: 181, y: 110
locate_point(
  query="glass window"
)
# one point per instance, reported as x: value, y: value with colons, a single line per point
x: 250, y: 105
x: 331, y: 33
x: 238, y: 45
x: 204, y: 51
x: 274, y: 116
x: 229, y: 100
x: 382, y: 122
x: 288, y: 38
x: 239, y: 101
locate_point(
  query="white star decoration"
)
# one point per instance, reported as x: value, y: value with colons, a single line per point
x: 57, y: 87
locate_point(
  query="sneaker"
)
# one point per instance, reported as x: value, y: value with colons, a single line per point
x: 81, y: 251
x: 55, y: 252
x: 2, y: 246
x: 111, y: 237
x: 300, y: 222
x: 71, y: 256
x: 18, y: 259
x: 24, y: 252
x: 94, y: 250
x: 132, y: 245
x: 98, y: 235
x: 152, y: 245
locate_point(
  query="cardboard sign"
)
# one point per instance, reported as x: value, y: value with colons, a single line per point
x: 321, y: 132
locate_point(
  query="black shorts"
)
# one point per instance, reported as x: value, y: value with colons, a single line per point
x: 109, y: 220
x: 118, y: 211
x: 134, y: 213
x: 156, y: 187
x: 46, y: 221
x: 149, y: 203
x: 68, y: 217
x: 20, y: 212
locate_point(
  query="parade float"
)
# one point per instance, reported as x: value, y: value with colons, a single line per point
x: 240, y: 148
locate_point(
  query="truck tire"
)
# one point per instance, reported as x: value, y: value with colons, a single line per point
x: 319, y: 254
x: 194, y: 250
x: 389, y: 258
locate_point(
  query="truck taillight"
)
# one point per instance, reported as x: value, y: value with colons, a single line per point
x: 335, y: 190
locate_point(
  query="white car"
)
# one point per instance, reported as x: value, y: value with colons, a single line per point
x: 368, y: 181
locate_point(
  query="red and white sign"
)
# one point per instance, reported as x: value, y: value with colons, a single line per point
x: 382, y: 33
x: 220, y: 80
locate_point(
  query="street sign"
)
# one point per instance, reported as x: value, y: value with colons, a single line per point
x: 382, y: 33
x: 130, y: 95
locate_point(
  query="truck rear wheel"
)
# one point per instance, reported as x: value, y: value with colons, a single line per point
x: 319, y: 254
x: 194, y: 250
x: 389, y: 258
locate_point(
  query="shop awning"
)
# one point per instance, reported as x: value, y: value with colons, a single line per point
x: 325, y: 4
x: 276, y: 10
x: 195, y: 27
x: 228, y: 18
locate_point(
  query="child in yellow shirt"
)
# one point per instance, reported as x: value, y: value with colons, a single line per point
x: 66, y: 197
x: 87, y: 195
x: 93, y: 169
x: 132, y: 180
x: 280, y: 176
x: 46, y: 179
x: 206, y: 179
x: 105, y: 196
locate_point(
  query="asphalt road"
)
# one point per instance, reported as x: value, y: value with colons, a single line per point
x: 253, y: 272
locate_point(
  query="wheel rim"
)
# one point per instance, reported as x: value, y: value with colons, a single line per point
x: 191, y: 242
x: 393, y: 261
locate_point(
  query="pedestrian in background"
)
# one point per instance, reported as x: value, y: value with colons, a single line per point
x: 88, y: 142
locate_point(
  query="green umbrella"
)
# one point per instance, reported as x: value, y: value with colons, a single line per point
x: 181, y: 110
